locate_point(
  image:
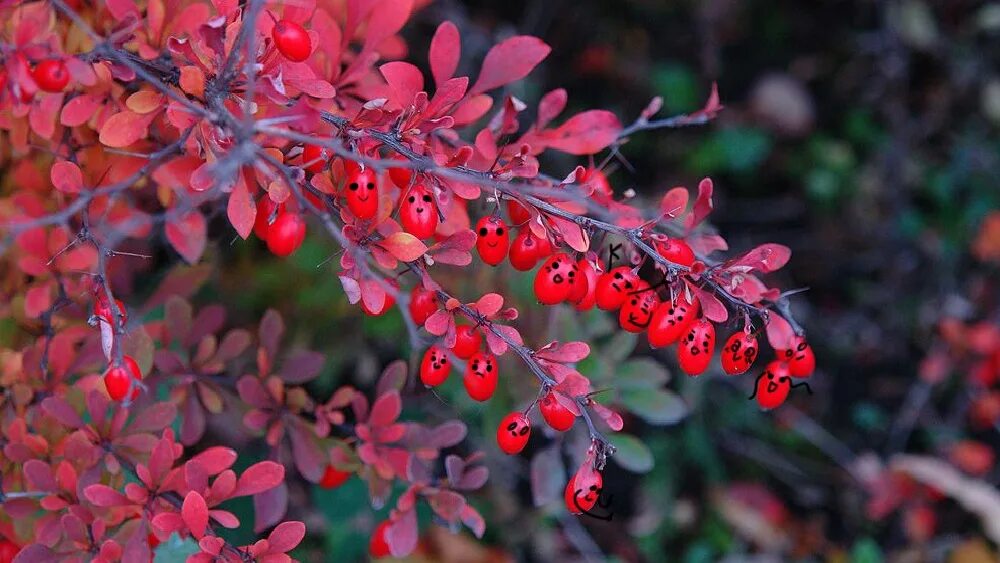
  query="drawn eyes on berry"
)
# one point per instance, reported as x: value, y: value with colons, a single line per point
x: 354, y: 186
x: 428, y: 198
x: 412, y: 199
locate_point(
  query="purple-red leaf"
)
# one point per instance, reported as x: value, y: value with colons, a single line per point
x: 585, y: 133
x: 508, y: 61
x: 446, y: 48
x: 194, y: 511
x: 187, y: 234
x: 259, y: 477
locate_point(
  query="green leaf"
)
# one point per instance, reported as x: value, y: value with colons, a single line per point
x: 641, y: 373
x: 656, y: 406
x: 175, y: 549
x: 866, y: 551
x: 620, y: 346
x: 631, y: 453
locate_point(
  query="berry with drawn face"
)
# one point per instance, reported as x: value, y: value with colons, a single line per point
x: 468, y: 341
x: 435, y: 367
x: 423, y: 304
x: 481, y: 373
x: 613, y: 287
x: 672, y: 319
x: 493, y: 239
x: 590, y: 274
x: 555, y: 414
x: 637, y: 311
x: 583, y: 490
x: 773, y: 386
x: 292, y: 40
x: 694, y: 351
x: 524, y: 250
x: 513, y: 433
x: 418, y: 213
x: 361, y: 191
x: 556, y: 279
x: 739, y: 353
x: 800, y: 358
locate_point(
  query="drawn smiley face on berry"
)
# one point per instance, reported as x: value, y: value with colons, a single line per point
x: 481, y: 375
x: 613, y: 287
x: 739, y: 353
x: 672, y: 320
x: 492, y: 239
x: 556, y: 279
x: 361, y: 192
x: 435, y: 367
x: 637, y: 311
x: 513, y: 433
x: 694, y: 351
x: 418, y: 214
x: 773, y: 386
x: 800, y: 358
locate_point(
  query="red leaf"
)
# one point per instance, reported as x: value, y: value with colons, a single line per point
x: 404, y: 79
x: 259, y: 477
x: 508, y: 61
x: 386, y: 409
x: 404, y: 246
x: 779, y: 333
x: 269, y: 507
x: 387, y: 18
x: 489, y: 304
x: 153, y: 418
x: 79, y: 110
x: 241, y: 210
x: 104, y: 496
x: 585, y: 133
x: 674, y: 203
x: 702, y: 205
x: 216, y: 459
x: 187, y: 234
x: 765, y: 258
x: 437, y: 323
x: 713, y: 309
x: 402, y: 534
x: 286, y: 536
x: 565, y: 353
x: 446, y: 48
x: 124, y: 128
x: 550, y: 106
x: 194, y: 511
x: 474, y: 520
x: 66, y: 177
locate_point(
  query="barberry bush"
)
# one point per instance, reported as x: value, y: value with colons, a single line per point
x: 142, y: 141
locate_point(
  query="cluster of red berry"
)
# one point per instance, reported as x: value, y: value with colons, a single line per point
x: 122, y: 376
x: 23, y: 80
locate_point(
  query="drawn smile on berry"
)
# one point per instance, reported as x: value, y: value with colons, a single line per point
x: 772, y: 387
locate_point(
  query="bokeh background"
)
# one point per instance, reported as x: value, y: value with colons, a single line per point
x: 864, y: 135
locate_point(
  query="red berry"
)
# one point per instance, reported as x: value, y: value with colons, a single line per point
x: 387, y: 305
x: 614, y: 286
x: 292, y: 40
x: 377, y: 546
x: 314, y: 158
x: 481, y: 374
x: 555, y: 414
x: 672, y: 319
x: 102, y: 310
x: 333, y: 477
x: 493, y: 239
x: 286, y: 234
x: 150, y: 538
x: 583, y: 489
x: 401, y: 177
x: 739, y: 353
x: 265, y: 208
x: 773, y: 386
x: 517, y: 212
x: 675, y: 250
x: 468, y: 341
x: 435, y: 367
x: 362, y: 191
x: 544, y: 247
x: 590, y: 274
x: 581, y: 281
x: 524, y: 250
x: 418, y: 213
x: 556, y: 279
x: 423, y: 304
x: 694, y: 351
x: 118, y: 378
x: 51, y: 75
x: 800, y: 358
x: 8, y: 551
x: 637, y: 311
x: 513, y: 433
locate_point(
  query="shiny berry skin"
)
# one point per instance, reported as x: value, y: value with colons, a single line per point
x: 590, y: 274
x: 435, y: 367
x: 739, y: 353
x: 556, y: 416
x: 361, y: 191
x: 637, y: 311
x: 377, y: 546
x: 492, y: 240
x: 581, y: 281
x: 773, y: 386
x: 468, y: 341
x: 614, y: 286
x: 292, y: 40
x: 8, y: 551
x: 675, y: 250
x: 694, y: 351
x: 481, y: 374
x: 556, y: 279
x: 517, y: 213
x: 423, y: 304
x: 118, y: 379
x: 314, y: 158
x: 401, y: 177
x: 265, y: 208
x: 418, y: 212
x: 544, y: 247
x: 333, y: 477
x: 800, y: 358
x: 672, y: 319
x: 513, y: 433
x: 286, y: 234
x: 51, y: 75
x: 524, y: 251
x: 102, y: 310
x: 387, y: 305
x: 583, y: 490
